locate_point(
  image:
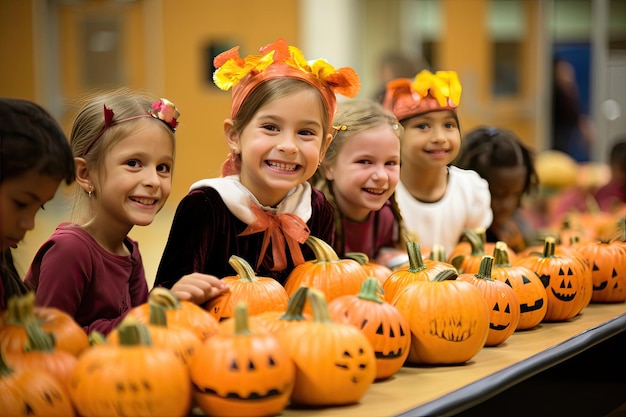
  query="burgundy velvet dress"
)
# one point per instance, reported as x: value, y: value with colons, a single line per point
x: 205, y: 233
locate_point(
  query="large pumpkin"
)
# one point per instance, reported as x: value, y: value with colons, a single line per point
x: 449, y: 319
x: 381, y: 322
x: 133, y: 378
x: 335, y: 362
x: 564, y: 278
x: 608, y: 269
x: 242, y: 373
x: 259, y: 293
x: 69, y: 336
x: 504, y: 309
x: 327, y: 273
x: 530, y: 291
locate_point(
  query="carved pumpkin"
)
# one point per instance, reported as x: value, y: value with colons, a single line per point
x: 242, y: 374
x: 40, y: 353
x: 381, y: 322
x: 327, y: 273
x: 504, y: 313
x: 180, y: 340
x: 419, y: 269
x: 373, y: 269
x: 130, y: 379
x: 608, y: 269
x: 259, y: 293
x: 530, y: 291
x: 449, y: 319
x: 335, y: 362
x: 178, y: 313
x: 69, y: 336
x: 32, y: 392
x: 564, y: 279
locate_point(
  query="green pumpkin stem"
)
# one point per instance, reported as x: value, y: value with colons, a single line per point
x: 157, y: 315
x: 241, y: 319
x: 501, y: 254
x: 243, y: 269
x: 446, y: 274
x: 133, y: 333
x: 38, y: 339
x: 370, y: 290
x: 5, y: 369
x: 20, y: 309
x: 97, y: 338
x: 323, y: 251
x: 549, y: 247
x: 416, y: 261
x: 484, y: 270
x: 295, y: 306
x: 438, y: 253
x: 165, y: 298
x: 360, y: 257
x: 319, y: 306
x: 476, y: 241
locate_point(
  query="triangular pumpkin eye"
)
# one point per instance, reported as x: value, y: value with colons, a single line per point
x: 380, y: 330
x: 234, y: 366
x: 391, y: 332
x: 496, y: 307
x: 525, y: 280
x: 595, y: 267
x: 614, y: 274
x: 569, y: 271
x: 251, y: 366
x: 561, y: 271
x: 507, y: 282
x: 364, y: 324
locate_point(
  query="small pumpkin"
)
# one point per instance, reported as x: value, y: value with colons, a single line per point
x: 419, y: 269
x: 335, y: 362
x: 381, y: 322
x: 130, y: 379
x: 243, y: 373
x: 32, y: 392
x: 327, y: 273
x: 178, y: 313
x: 608, y: 269
x: 69, y: 336
x: 504, y: 313
x: 449, y: 319
x: 259, y: 293
x: 530, y: 291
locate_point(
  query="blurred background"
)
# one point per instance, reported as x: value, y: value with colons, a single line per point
x: 56, y: 51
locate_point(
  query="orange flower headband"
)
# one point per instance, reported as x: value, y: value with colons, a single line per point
x: 427, y: 92
x: 278, y: 60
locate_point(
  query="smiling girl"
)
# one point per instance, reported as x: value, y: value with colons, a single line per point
x: 262, y: 209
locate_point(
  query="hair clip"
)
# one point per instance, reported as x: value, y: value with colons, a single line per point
x: 340, y: 128
x: 165, y: 111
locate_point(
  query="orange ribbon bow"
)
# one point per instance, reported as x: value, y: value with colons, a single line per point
x: 279, y: 228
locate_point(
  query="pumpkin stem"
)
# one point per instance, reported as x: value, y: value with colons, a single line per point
x: 501, y: 254
x: 165, y: 298
x: 323, y: 251
x: 370, y: 290
x: 319, y: 306
x: 5, y: 369
x: 360, y: 257
x: 20, y: 309
x: 132, y: 333
x: 549, y: 247
x: 38, y: 339
x: 476, y: 241
x: 416, y: 262
x: 243, y: 269
x: 97, y: 338
x: 241, y: 319
x: 446, y: 274
x: 295, y: 305
x: 157, y: 315
x: 438, y: 253
x: 484, y: 270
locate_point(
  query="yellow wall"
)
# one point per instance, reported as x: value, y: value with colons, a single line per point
x: 17, y: 74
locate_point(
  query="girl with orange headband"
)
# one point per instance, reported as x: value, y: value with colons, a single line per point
x: 437, y: 201
x: 262, y: 209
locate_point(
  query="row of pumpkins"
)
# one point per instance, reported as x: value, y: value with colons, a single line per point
x: 336, y: 327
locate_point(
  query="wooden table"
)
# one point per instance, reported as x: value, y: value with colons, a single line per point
x: 447, y: 390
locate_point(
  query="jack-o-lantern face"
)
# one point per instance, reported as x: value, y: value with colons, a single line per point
x: 452, y: 328
x: 356, y: 364
x: 608, y: 270
x: 563, y: 289
x: 391, y: 341
x: 535, y: 303
x: 502, y: 312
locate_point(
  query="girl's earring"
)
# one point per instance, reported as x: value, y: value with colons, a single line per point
x: 90, y: 192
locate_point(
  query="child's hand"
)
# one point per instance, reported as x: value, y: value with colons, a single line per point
x: 199, y: 288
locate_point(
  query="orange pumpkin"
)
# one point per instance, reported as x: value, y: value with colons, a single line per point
x: 449, y: 319
x: 32, y: 392
x: 504, y: 313
x: 242, y: 374
x: 373, y: 269
x: 259, y: 293
x: 335, y: 362
x: 564, y: 278
x: 132, y: 378
x: 419, y: 269
x: 69, y: 336
x: 530, y: 291
x: 381, y: 322
x: 327, y: 273
x: 608, y: 269
x: 275, y: 321
x: 474, y: 245
x: 179, y: 313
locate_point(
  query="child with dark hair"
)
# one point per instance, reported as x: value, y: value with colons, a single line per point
x: 35, y: 157
x: 502, y: 159
x: 613, y: 194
